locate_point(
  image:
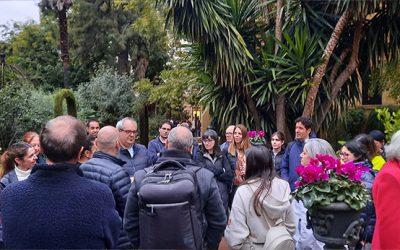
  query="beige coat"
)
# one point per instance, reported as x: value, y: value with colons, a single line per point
x: 245, y: 229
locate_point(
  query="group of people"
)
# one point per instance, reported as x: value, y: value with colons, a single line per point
x: 82, y: 187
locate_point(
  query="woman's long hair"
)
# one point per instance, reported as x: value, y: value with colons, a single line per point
x: 16, y: 150
x: 243, y: 145
x: 259, y: 167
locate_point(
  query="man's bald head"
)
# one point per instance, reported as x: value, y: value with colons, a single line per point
x: 62, y: 139
x: 180, y: 138
x: 107, y: 140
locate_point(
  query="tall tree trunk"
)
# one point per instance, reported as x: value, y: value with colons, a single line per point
x: 320, y: 72
x: 253, y: 109
x: 64, y: 45
x: 141, y: 67
x: 144, y: 125
x: 280, y: 100
x: 142, y: 64
x: 344, y: 75
x: 123, y: 61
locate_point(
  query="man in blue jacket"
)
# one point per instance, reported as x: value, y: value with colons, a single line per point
x: 291, y: 158
x: 105, y: 167
x: 135, y: 155
x: 303, y: 237
x: 56, y: 207
x: 157, y: 145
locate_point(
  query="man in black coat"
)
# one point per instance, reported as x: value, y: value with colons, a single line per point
x: 56, y: 207
x: 106, y: 168
x: 179, y: 146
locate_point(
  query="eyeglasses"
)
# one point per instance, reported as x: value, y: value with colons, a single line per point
x: 128, y: 132
x: 208, y: 141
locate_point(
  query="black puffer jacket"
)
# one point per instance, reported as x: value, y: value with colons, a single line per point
x: 219, y: 165
x: 108, y: 169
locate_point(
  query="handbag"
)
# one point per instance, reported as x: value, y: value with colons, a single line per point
x: 278, y: 237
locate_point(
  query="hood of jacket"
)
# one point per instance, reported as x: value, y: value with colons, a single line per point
x: 277, y: 202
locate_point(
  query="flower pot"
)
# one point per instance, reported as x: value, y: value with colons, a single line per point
x: 336, y: 225
x: 257, y: 144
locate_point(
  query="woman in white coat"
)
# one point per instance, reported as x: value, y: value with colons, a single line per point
x: 261, y: 202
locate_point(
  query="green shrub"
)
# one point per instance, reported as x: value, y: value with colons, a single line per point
x: 22, y: 110
x: 108, y: 96
x: 66, y: 95
x: 390, y: 120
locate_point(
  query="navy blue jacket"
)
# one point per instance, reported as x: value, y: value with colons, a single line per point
x: 140, y: 159
x: 368, y: 214
x: 290, y: 161
x: 155, y: 147
x: 57, y: 208
x: 1, y: 224
x: 108, y: 169
x: 212, y: 210
x: 9, y: 178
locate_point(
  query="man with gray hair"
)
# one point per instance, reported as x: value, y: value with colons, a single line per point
x: 179, y: 146
x: 56, y: 208
x: 105, y: 167
x: 229, y: 138
x: 135, y: 155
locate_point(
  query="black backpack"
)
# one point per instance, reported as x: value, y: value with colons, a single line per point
x: 168, y: 201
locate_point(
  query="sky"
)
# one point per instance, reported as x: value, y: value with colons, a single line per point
x: 18, y: 10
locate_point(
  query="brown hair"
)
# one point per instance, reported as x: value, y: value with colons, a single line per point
x: 28, y: 136
x: 243, y: 145
x: 16, y: 150
x: 279, y: 134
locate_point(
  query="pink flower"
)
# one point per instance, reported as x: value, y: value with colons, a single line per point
x: 312, y: 173
x: 328, y: 162
x: 252, y: 134
x: 261, y: 133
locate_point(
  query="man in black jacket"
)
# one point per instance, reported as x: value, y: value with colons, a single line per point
x: 106, y: 168
x: 179, y: 146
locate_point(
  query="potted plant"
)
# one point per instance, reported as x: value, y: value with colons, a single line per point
x: 256, y: 137
x: 334, y: 195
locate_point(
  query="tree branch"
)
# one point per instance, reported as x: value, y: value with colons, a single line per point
x: 344, y: 75
x: 321, y: 70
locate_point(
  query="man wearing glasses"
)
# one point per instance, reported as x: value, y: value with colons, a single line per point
x: 135, y: 155
x: 229, y: 138
x: 157, y: 145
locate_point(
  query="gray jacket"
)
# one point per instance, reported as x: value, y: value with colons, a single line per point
x: 212, y: 209
x: 246, y: 228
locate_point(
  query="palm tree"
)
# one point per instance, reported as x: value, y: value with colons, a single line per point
x: 61, y: 7
x: 327, y: 48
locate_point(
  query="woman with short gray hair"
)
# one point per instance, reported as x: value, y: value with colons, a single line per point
x: 314, y: 147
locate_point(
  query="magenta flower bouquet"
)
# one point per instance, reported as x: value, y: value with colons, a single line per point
x: 256, y: 136
x: 326, y: 180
